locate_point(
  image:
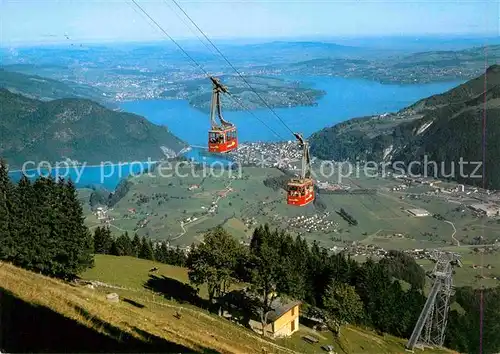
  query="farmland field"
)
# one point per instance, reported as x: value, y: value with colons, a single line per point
x: 181, y: 209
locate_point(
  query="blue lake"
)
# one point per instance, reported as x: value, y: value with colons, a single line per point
x: 345, y: 98
x: 107, y: 176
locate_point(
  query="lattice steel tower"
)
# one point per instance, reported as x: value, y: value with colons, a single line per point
x: 431, y: 325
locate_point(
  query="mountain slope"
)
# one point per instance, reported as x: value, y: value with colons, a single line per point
x: 45, y: 89
x: 78, y: 129
x: 142, y: 321
x: 138, y: 323
x: 461, y: 93
x: 442, y: 128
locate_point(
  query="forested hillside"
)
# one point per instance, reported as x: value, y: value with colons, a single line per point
x: 443, y: 128
x: 78, y: 129
x: 45, y: 89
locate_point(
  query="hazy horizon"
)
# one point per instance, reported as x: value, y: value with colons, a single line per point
x: 480, y: 39
x: 58, y: 22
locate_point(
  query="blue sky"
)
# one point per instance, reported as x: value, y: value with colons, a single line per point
x: 118, y: 20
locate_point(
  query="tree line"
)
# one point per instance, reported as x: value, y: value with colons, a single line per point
x: 42, y: 226
x: 347, y: 217
x: 140, y: 247
x: 334, y: 286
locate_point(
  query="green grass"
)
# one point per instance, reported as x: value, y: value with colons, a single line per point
x: 351, y: 340
x: 195, y: 329
x: 133, y: 273
x: 129, y: 271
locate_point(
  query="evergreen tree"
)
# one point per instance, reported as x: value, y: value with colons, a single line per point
x: 179, y: 257
x: 50, y: 235
x: 123, y: 246
x: 102, y: 240
x: 8, y: 244
x: 77, y: 240
x: 113, y: 250
x: 267, y: 271
x: 146, y: 250
x: 136, y: 245
x: 162, y: 253
x: 26, y: 223
x: 48, y: 240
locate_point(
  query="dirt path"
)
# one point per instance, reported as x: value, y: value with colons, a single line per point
x: 227, y: 189
x: 368, y: 336
x: 454, y: 232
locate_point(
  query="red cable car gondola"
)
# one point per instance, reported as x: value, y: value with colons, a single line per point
x: 301, y: 190
x: 221, y: 137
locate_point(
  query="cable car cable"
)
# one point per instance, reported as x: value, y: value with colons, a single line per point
x: 232, y: 66
x: 210, y: 49
x: 197, y: 65
x: 204, y: 71
x: 233, y: 98
x: 253, y: 114
x: 172, y: 39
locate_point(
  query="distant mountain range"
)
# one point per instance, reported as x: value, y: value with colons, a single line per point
x: 421, y: 67
x: 286, y: 52
x: 78, y: 129
x: 443, y: 128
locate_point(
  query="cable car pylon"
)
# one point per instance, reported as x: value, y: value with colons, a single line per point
x: 221, y: 137
x: 300, y: 192
x: 430, y: 328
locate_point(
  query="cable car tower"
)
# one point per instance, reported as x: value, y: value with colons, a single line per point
x: 431, y: 325
x: 301, y: 190
x: 221, y: 137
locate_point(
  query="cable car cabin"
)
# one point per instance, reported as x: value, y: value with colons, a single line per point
x: 223, y: 140
x: 300, y: 192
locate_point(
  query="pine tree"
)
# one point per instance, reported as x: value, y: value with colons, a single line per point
x: 48, y: 243
x: 267, y: 270
x: 26, y: 229
x: 102, y: 240
x: 97, y: 239
x: 123, y: 246
x: 136, y: 245
x: 146, y: 250
x: 113, y: 250
x: 45, y: 221
x: 7, y: 218
x: 179, y: 257
x: 78, y: 243
x: 162, y: 253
